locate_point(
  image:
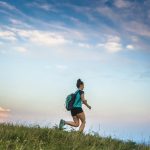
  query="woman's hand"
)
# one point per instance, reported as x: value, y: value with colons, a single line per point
x: 85, y: 103
x: 89, y: 107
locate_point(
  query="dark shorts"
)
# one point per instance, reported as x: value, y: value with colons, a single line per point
x: 76, y: 111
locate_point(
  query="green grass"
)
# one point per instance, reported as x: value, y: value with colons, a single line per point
x: 35, y: 138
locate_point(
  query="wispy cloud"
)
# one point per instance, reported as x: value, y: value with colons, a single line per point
x: 42, y: 5
x: 137, y: 28
x: 35, y: 36
x: 108, y: 13
x: 18, y: 22
x: 131, y: 22
x: 7, y: 5
x: 41, y: 37
x: 57, y: 32
x: 8, y: 35
x: 122, y: 3
x: 112, y: 45
x: 15, y: 21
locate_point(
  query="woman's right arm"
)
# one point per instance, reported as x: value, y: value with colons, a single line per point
x: 85, y: 101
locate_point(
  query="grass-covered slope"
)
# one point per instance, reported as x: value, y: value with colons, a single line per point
x: 36, y: 138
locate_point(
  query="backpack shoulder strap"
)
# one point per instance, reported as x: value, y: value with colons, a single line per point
x: 76, y: 92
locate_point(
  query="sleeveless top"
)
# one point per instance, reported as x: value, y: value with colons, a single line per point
x: 78, y: 101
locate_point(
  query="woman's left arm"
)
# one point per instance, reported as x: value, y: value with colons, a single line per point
x: 85, y: 101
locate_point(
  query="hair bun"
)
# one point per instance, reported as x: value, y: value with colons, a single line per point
x: 79, y: 80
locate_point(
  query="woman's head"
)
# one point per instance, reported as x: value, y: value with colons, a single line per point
x: 80, y: 84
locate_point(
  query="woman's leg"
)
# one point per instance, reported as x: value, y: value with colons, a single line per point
x: 81, y: 116
x: 74, y: 123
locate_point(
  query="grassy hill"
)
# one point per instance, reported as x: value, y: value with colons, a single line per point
x: 36, y: 138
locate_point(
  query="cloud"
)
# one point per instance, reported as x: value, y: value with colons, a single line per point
x: 108, y: 12
x: 55, y: 37
x: 8, y: 35
x: 112, y: 44
x: 121, y: 3
x: 4, y: 109
x: 16, y: 21
x: 138, y: 28
x: 43, y: 6
x: 58, y: 32
x: 131, y: 22
x: 7, y: 6
x: 130, y: 47
x: 41, y: 37
x: 47, y: 38
x: 4, y: 113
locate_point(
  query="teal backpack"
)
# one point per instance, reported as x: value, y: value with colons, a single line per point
x: 70, y: 100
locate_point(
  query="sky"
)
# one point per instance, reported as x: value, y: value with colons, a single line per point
x: 46, y: 45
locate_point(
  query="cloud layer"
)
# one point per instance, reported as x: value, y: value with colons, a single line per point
x: 119, y: 18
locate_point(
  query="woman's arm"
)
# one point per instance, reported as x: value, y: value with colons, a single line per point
x: 85, y: 101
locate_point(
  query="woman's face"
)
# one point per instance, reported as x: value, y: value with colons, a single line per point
x: 82, y: 86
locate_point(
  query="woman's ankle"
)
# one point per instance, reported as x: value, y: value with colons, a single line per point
x: 64, y: 122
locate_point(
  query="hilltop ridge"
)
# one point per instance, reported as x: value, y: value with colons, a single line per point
x: 36, y: 138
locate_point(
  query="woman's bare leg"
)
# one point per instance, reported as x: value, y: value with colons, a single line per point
x: 74, y: 123
x: 81, y: 116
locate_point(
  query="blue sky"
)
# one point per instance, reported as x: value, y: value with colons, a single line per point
x: 45, y: 46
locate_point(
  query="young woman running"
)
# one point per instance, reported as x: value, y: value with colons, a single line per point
x: 77, y: 111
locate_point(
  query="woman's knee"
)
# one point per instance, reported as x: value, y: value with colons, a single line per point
x: 76, y: 121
